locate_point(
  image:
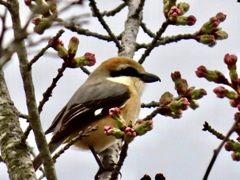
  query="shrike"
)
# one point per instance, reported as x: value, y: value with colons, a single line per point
x: 117, y: 82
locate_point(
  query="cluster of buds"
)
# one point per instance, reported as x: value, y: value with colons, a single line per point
x: 233, y: 95
x: 235, y: 147
x: 68, y: 55
x: 218, y: 77
x: 210, y: 32
x: 174, y: 13
x: 125, y: 131
x: 173, y: 106
x: 48, y: 11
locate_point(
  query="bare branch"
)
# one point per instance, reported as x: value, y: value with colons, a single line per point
x: 19, y: 163
x: 131, y: 29
x: 97, y: 13
x: 81, y: 135
x: 150, y: 105
x: 30, y: 93
x: 146, y: 30
x: 152, y: 45
x: 115, y: 10
x: 217, y: 151
x: 168, y: 40
x: 49, y: 90
x: 36, y: 57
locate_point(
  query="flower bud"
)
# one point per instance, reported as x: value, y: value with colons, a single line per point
x: 130, y: 134
x: 186, y: 20
x: 220, y: 35
x: 193, y: 104
x: 221, y: 16
x: 220, y: 91
x: 115, y: 113
x: 207, y: 39
x: 181, y: 85
x: 184, y: 7
x: 214, y: 76
x: 72, y: 47
x: 41, y: 24
x: 236, y: 156
x: 231, y: 61
x: 141, y: 127
x: 197, y: 93
x: 111, y: 131
x: 166, y: 98
x: 87, y: 60
x: 174, y: 13
x: 168, y: 4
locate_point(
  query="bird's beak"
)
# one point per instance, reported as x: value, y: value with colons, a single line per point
x: 149, y: 78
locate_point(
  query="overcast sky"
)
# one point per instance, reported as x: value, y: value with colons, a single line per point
x: 178, y: 148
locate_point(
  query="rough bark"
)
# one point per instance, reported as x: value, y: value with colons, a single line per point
x: 15, y: 152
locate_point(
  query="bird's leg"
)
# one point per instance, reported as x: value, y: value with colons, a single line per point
x: 96, y: 157
x: 102, y: 168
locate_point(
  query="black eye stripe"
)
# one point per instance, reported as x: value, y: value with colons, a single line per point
x: 129, y: 71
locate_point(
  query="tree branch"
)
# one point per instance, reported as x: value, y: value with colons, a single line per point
x: 19, y: 163
x: 97, y: 13
x: 34, y: 117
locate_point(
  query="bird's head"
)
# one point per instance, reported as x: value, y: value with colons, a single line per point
x: 124, y: 67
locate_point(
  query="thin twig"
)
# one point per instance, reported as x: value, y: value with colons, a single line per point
x: 81, y: 135
x: 86, y: 32
x: 207, y: 127
x: 152, y: 45
x: 153, y: 114
x: 36, y: 57
x: 150, y: 105
x: 217, y: 151
x: 49, y: 90
x: 96, y: 12
x: 146, y: 30
x: 167, y: 40
x: 114, y: 11
x: 85, y: 70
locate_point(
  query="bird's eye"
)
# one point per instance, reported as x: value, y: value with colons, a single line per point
x: 129, y: 71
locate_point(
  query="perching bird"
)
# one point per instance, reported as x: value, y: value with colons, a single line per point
x: 117, y: 82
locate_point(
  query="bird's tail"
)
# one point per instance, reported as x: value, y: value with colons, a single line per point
x: 37, y: 162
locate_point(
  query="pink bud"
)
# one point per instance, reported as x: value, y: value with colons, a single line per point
x: 90, y: 58
x: 201, y: 71
x: 230, y: 60
x: 191, y: 20
x: 221, y: 16
x: 220, y: 91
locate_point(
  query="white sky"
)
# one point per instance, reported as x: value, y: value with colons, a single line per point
x: 178, y: 148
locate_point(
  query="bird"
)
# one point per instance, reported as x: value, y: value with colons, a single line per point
x: 116, y: 82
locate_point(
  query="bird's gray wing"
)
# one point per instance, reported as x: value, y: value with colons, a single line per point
x: 89, y: 103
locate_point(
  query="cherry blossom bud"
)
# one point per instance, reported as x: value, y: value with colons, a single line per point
x: 174, y: 13
x: 184, y: 7
x: 231, y: 61
x: 214, y: 76
x: 115, y: 113
x: 111, y: 131
x: 220, y: 35
x: 186, y: 20
x: 141, y: 127
x: 221, y: 16
x: 197, y: 93
x: 236, y: 156
x: 72, y: 47
x: 181, y: 85
x: 207, y: 39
